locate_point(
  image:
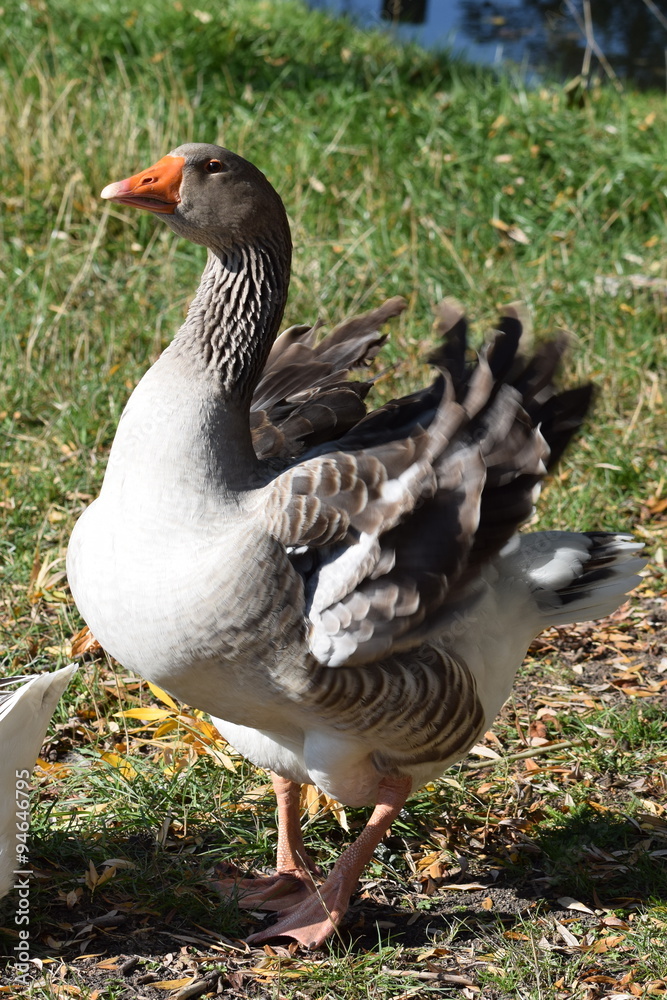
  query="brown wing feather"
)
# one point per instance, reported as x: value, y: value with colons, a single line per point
x: 392, y: 525
x: 304, y: 397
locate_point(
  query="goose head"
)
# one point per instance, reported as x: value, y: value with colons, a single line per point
x: 208, y: 195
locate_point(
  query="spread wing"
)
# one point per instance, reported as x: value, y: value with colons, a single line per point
x: 390, y: 525
x: 304, y: 397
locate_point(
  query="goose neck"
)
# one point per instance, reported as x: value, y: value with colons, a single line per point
x: 235, y: 315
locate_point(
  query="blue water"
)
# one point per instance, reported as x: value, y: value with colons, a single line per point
x: 537, y: 35
x: 442, y: 28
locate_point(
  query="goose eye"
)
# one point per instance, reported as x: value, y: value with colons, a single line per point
x: 214, y: 167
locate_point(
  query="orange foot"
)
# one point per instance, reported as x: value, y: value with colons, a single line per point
x: 313, y: 920
x: 271, y: 892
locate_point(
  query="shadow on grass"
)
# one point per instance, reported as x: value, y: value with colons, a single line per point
x: 611, y: 856
x: 606, y: 862
x: 118, y: 896
x: 160, y: 896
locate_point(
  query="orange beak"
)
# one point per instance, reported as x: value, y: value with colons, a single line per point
x: 156, y: 189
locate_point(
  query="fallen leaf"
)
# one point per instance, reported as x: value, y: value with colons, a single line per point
x: 537, y: 730
x: 172, y: 984
x: 464, y: 886
x: 147, y: 714
x: 606, y: 944
x: 573, y: 904
x: 427, y: 860
x: 120, y: 763
x: 163, y: 696
x: 567, y: 936
x: 482, y: 751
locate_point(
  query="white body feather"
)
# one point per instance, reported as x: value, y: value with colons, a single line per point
x: 24, y: 718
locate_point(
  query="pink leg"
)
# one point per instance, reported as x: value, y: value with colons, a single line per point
x: 291, y: 853
x: 294, y: 867
x: 310, y: 921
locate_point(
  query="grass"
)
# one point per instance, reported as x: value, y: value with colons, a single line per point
x: 401, y: 172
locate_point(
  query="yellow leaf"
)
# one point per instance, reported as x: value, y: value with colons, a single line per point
x: 207, y: 729
x: 318, y: 802
x: 163, y: 696
x: 173, y: 984
x: 427, y: 860
x: 209, y: 741
x: 145, y: 714
x: 340, y: 814
x: 121, y: 763
x: 433, y: 953
x: 312, y: 799
x: 167, y: 727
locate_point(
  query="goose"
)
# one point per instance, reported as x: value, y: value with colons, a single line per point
x: 24, y: 718
x: 348, y: 596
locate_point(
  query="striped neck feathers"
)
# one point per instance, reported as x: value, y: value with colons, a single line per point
x: 234, y: 317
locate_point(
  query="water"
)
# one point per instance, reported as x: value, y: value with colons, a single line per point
x: 541, y: 36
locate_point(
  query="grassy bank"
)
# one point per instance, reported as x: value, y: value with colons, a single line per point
x: 401, y: 173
